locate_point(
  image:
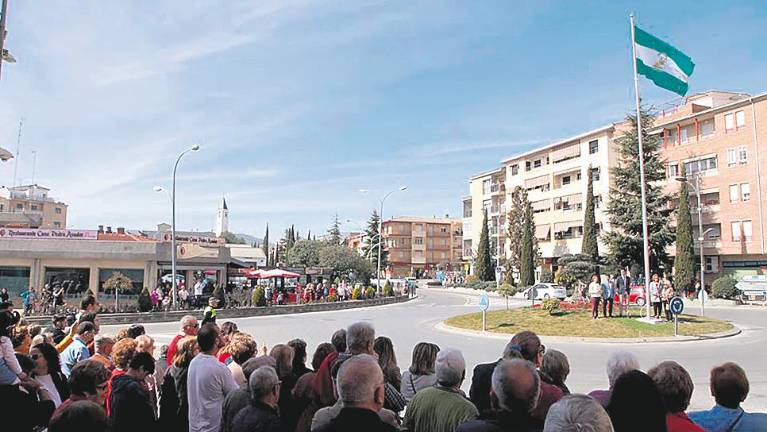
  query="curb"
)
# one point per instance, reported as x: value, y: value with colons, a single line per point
x: 173, y: 316
x: 565, y: 339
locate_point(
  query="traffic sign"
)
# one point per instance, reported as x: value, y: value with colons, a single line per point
x: 484, y: 302
x: 676, y: 305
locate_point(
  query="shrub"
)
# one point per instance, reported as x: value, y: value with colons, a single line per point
x: 370, y: 293
x: 218, y: 293
x: 259, y: 296
x: 724, y: 287
x: 357, y: 292
x: 471, y: 278
x: 547, y: 276
x: 332, y: 298
x: 144, y: 301
x: 551, y: 305
x: 388, y: 291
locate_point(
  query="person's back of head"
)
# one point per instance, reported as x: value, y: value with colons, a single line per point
x: 254, y: 363
x: 516, y: 384
x: 207, y: 338
x: 339, y: 340
x: 556, y: 365
x: 729, y: 385
x: 87, y: 378
x: 83, y: 416
x: 577, y: 413
x: 88, y: 302
x: 322, y: 351
x: 135, y: 330
x: 424, y: 358
x: 86, y: 327
x: 634, y: 389
x: 143, y: 362
x: 283, y: 356
x: 674, y: 385
x: 123, y: 351
x: 360, y: 337
x: 450, y: 367
x: 263, y: 384
x: 360, y: 383
x: 619, y: 363
x: 529, y: 345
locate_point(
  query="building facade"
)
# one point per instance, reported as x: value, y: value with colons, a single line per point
x: 555, y: 178
x: 31, y: 206
x: 716, y: 137
x: 422, y: 245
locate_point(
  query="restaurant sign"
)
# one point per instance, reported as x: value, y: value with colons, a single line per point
x: 194, y: 239
x: 64, y: 234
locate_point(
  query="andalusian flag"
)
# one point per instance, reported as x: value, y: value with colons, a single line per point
x: 661, y: 63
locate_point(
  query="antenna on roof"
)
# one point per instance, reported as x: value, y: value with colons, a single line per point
x: 18, y: 152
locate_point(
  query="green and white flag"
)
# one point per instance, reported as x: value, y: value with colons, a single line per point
x: 661, y: 63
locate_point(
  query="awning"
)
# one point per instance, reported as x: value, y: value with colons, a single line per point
x: 570, y: 199
x: 279, y: 273
x: 564, y: 226
x: 541, y: 205
x: 536, y: 181
x: 542, y: 231
x: 570, y: 151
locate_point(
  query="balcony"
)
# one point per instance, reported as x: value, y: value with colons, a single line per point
x: 27, y: 218
x: 497, y: 188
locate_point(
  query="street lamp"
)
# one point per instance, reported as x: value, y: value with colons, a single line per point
x: 173, y: 221
x: 696, y: 189
x: 380, y: 235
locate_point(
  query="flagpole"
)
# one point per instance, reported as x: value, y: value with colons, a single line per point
x: 645, y: 236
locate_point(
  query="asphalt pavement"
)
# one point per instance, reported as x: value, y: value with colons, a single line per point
x: 415, y: 321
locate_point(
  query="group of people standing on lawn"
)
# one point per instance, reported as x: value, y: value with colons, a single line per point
x: 605, y: 292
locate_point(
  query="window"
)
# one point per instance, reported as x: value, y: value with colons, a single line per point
x: 706, y: 128
x: 57, y: 210
x: 537, y: 163
x: 514, y: 169
x: 735, y: 227
x: 673, y: 136
x: 745, y: 192
x: 57, y: 225
x: 565, y: 180
x: 593, y: 146
x: 595, y: 174
x: 712, y: 264
x: 33, y: 207
x: 685, y: 133
x: 732, y: 157
x: 747, y: 230
x: 742, y: 155
x: 597, y: 201
x: 734, y: 194
x: 19, y: 206
x: 672, y: 170
x: 486, y: 187
x: 729, y: 122
x: 418, y: 240
x: 740, y: 119
x: 701, y: 165
x: 527, y: 166
x: 443, y: 229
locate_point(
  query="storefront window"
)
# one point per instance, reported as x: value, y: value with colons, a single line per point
x: 136, y: 277
x: 15, y: 279
x: 73, y: 280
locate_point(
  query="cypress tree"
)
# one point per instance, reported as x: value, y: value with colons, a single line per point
x: 334, y: 233
x: 527, y: 257
x: 590, y: 247
x: 684, y: 261
x: 484, y: 264
x: 265, y: 246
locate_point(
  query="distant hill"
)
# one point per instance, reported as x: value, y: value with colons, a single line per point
x: 249, y: 238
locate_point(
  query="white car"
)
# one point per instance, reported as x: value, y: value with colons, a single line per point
x: 543, y: 291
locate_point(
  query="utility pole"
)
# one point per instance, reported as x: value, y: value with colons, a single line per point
x: 18, y: 147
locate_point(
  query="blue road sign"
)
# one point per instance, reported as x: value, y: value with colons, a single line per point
x: 484, y: 302
x: 676, y: 305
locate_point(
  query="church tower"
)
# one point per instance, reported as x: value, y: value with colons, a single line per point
x: 222, y: 219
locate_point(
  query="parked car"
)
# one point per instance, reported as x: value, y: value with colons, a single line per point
x: 168, y: 278
x: 636, y: 296
x: 543, y: 291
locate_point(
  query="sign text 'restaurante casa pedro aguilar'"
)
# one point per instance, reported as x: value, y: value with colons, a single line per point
x: 28, y: 233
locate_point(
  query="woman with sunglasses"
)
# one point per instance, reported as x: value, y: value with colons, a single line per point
x: 48, y: 373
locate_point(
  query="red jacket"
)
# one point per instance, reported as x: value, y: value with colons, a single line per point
x: 115, y: 373
x: 323, y: 382
x: 679, y: 422
x: 172, y: 348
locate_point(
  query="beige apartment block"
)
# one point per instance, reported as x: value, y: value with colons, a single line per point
x: 716, y: 136
x: 555, y: 178
x: 417, y: 244
x: 31, y: 206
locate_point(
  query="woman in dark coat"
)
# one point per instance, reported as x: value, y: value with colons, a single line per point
x: 174, y: 405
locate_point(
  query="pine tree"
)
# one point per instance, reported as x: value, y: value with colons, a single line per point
x: 373, y: 241
x: 334, y: 233
x: 624, y: 241
x: 265, y: 246
x: 520, y: 217
x: 484, y: 263
x: 590, y: 247
x: 527, y: 254
x: 684, y: 261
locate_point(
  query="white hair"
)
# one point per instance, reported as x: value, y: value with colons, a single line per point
x: 360, y: 337
x: 358, y: 378
x: 187, y: 320
x: 262, y: 381
x: 450, y: 367
x: 579, y: 413
x: 516, y: 384
x: 619, y: 363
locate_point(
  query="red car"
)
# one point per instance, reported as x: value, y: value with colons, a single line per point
x: 636, y: 296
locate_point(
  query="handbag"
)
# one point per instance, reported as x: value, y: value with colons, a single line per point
x: 393, y: 398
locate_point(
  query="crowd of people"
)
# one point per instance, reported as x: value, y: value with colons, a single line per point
x: 213, y: 377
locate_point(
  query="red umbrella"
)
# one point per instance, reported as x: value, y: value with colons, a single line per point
x: 279, y: 273
x: 253, y: 274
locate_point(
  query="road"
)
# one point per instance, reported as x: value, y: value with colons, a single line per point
x: 409, y: 323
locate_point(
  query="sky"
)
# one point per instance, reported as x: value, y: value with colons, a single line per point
x: 298, y: 105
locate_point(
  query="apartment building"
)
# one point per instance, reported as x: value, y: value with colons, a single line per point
x: 716, y: 137
x: 31, y: 206
x: 554, y: 177
x: 418, y: 245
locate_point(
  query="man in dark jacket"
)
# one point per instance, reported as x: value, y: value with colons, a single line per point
x: 361, y: 388
x: 515, y: 388
x: 262, y: 415
x: 130, y: 410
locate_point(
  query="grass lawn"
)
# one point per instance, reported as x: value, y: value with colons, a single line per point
x: 579, y: 323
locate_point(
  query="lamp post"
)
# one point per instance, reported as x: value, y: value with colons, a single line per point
x: 701, y: 236
x: 380, y: 236
x: 173, y: 222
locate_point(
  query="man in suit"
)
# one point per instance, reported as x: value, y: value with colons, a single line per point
x: 622, y: 288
